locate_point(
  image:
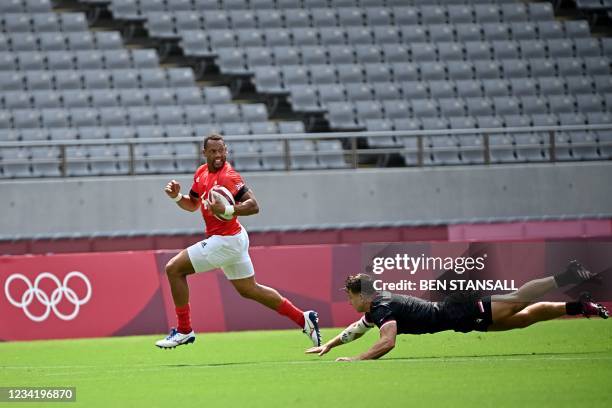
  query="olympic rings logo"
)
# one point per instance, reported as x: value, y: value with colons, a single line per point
x: 50, y: 302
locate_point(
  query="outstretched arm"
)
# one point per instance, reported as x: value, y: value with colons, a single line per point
x: 352, y: 332
x: 385, y: 344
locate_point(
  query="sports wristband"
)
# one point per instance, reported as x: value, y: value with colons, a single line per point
x: 178, y: 198
x: 229, y: 210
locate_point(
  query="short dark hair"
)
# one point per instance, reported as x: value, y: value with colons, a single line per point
x: 360, y: 283
x: 213, y: 136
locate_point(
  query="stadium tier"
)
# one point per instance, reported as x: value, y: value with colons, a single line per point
x: 355, y: 65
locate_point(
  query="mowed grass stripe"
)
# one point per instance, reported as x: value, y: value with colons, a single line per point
x: 556, y: 364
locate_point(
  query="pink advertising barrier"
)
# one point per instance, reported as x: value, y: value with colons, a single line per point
x: 127, y: 293
x: 79, y: 295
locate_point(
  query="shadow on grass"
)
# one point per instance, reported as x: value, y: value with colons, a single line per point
x: 509, y: 355
x: 415, y: 358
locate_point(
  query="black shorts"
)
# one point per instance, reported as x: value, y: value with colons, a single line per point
x: 467, y: 312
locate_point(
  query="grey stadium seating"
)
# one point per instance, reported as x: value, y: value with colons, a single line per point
x: 361, y: 64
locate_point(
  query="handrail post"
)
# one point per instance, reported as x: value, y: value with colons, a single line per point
x: 63, y: 163
x: 420, y: 150
x: 487, y: 148
x: 131, y: 152
x: 354, y: 151
x: 552, y: 144
x: 286, y: 154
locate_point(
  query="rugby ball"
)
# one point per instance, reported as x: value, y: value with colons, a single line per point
x: 223, y: 195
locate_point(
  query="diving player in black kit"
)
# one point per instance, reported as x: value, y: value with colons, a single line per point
x: 463, y: 312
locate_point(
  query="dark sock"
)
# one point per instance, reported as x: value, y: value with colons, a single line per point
x: 573, y: 308
x: 574, y: 273
x: 564, y: 278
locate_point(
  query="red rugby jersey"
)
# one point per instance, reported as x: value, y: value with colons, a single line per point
x: 203, y: 181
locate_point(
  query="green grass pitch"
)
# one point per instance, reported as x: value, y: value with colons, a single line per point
x: 554, y: 364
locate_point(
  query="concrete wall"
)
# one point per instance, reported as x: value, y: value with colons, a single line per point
x: 138, y: 204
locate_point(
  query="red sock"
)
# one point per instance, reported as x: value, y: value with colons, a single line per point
x: 286, y: 308
x: 183, y: 315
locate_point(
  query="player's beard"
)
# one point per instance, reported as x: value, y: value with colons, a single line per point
x: 217, y: 163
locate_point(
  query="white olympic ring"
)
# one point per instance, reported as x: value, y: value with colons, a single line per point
x: 50, y: 302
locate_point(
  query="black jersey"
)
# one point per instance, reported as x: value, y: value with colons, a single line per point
x: 418, y: 316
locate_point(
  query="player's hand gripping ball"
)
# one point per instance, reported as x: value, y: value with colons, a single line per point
x: 222, y: 195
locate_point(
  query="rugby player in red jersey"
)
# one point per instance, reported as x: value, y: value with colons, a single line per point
x: 463, y: 312
x: 226, y: 246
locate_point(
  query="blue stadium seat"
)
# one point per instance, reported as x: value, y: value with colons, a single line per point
x: 89, y: 60
x: 496, y: 31
x: 413, y: 33
x: 433, y: 14
x: 405, y: 15
x: 242, y: 19
x: 424, y: 108
x: 469, y: 88
x: 199, y: 115
x: 396, y: 109
x: 194, y: 43
x: 116, y: 59
x: 268, y: 80
x: 514, y: 12
x: 296, y: 18
x: 331, y: 93
x: 460, y: 70
x: 533, y: 105
x: 468, y: 31
x: 323, y: 17
x: 523, y: 31
x: 303, y: 154
x: 479, y: 106
x: 285, y: 56
x: 53, y: 42
x: 112, y: 116
x: 23, y: 42
x: 60, y: 61
x: 589, y: 103
x: 45, y: 22
x: 340, y: 54
x: 341, y: 116
x: 73, y: 22
x: 25, y: 61
x: 414, y: 90
x: 441, y: 33
x: 17, y: 100
x: 104, y: 98
x: 80, y: 41
x: 450, y: 51
x: 432, y: 71
x: 149, y: 78
x: 523, y: 87
x: 38, y: 80
x: 169, y: 115
x: 386, y: 91
x: 270, y: 19
x: 321, y: 74
x: 188, y: 20
x: 478, y: 50
x: 452, y: 107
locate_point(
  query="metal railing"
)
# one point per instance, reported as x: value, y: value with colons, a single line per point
x: 352, y: 152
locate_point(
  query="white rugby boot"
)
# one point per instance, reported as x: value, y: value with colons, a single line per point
x: 175, y: 339
x: 311, y: 327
